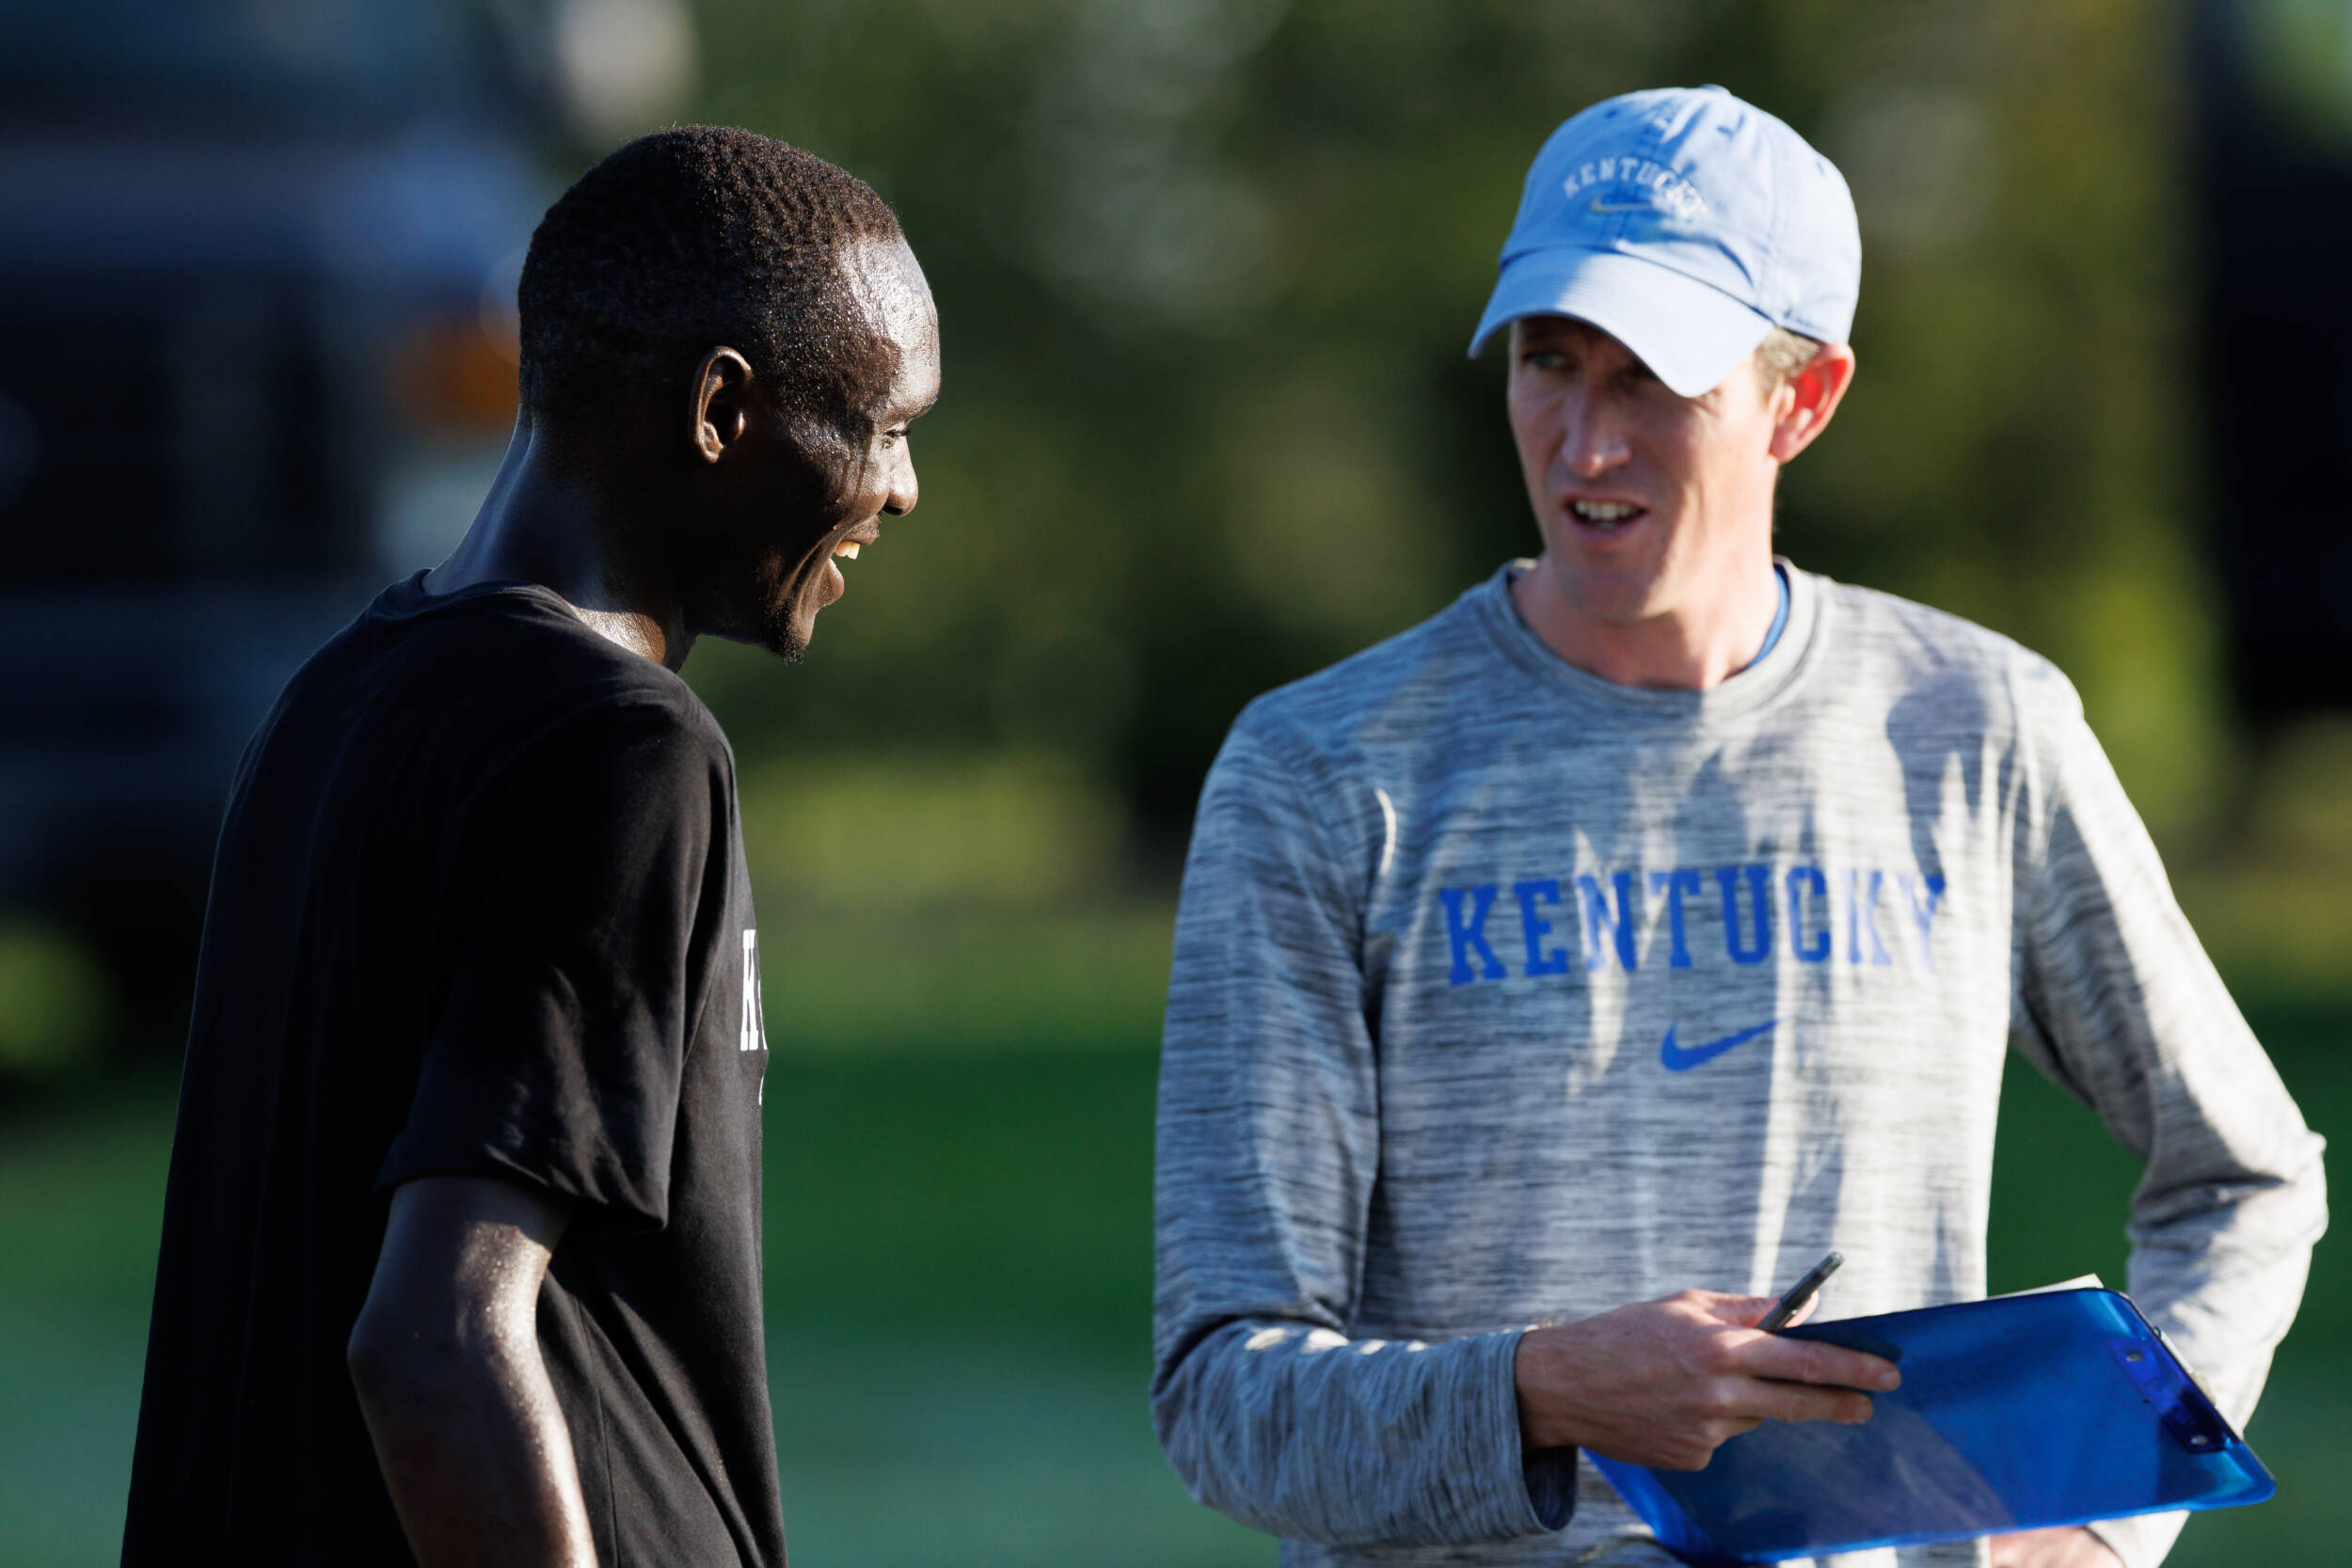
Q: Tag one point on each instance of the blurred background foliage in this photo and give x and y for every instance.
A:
(1206, 265)
(1206, 270)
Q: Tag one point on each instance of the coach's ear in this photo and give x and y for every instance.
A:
(1804, 404)
(722, 388)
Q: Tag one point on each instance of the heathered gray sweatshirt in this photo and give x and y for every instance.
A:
(1504, 994)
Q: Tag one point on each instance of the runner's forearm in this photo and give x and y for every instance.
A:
(445, 1358)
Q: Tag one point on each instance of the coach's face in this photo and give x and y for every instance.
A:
(813, 485)
(1641, 494)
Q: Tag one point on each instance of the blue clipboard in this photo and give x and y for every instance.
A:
(2018, 1413)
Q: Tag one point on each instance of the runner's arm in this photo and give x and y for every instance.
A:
(445, 1357)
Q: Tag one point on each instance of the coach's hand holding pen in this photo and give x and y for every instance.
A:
(1666, 1383)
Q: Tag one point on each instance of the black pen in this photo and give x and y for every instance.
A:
(1802, 1291)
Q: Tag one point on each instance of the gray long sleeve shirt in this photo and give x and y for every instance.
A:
(1504, 994)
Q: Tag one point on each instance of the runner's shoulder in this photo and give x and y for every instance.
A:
(500, 673)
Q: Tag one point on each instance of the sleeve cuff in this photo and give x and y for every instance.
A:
(1551, 1486)
(1531, 1491)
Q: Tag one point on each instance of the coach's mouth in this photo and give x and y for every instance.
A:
(1602, 516)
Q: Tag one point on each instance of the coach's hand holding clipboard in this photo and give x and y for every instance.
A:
(2020, 1413)
(1666, 1382)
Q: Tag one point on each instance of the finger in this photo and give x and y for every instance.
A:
(1694, 1445)
(1738, 1311)
(1798, 1401)
(1812, 1303)
(1810, 1361)
(2067, 1546)
(1710, 1436)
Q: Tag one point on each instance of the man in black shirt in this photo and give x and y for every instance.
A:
(461, 1242)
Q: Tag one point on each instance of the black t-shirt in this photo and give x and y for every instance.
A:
(478, 909)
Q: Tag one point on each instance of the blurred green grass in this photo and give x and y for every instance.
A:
(958, 1244)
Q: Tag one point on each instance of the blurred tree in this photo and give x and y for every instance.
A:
(1207, 268)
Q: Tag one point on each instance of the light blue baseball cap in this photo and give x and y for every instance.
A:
(1685, 223)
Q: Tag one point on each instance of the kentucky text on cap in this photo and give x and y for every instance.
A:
(1685, 223)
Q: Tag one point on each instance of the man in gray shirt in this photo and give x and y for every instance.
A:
(1601, 952)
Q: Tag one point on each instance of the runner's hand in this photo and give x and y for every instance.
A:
(1664, 1382)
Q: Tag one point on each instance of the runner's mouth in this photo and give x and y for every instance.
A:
(857, 538)
(846, 548)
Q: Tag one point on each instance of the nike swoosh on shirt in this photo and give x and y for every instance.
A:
(1676, 1059)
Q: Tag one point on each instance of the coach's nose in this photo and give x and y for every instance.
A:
(1591, 441)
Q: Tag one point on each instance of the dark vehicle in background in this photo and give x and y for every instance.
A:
(257, 266)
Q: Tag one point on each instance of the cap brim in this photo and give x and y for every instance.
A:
(1691, 335)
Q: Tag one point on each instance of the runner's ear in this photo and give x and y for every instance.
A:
(722, 383)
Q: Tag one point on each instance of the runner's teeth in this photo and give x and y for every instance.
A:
(1602, 511)
(845, 550)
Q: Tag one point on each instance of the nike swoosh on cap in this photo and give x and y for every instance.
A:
(1676, 1059)
(1599, 206)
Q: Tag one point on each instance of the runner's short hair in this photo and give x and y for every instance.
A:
(684, 240)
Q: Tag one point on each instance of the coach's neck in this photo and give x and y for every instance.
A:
(1712, 628)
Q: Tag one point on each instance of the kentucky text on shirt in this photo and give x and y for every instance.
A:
(1819, 914)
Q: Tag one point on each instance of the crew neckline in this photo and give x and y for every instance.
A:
(1780, 616)
(408, 597)
(1772, 673)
